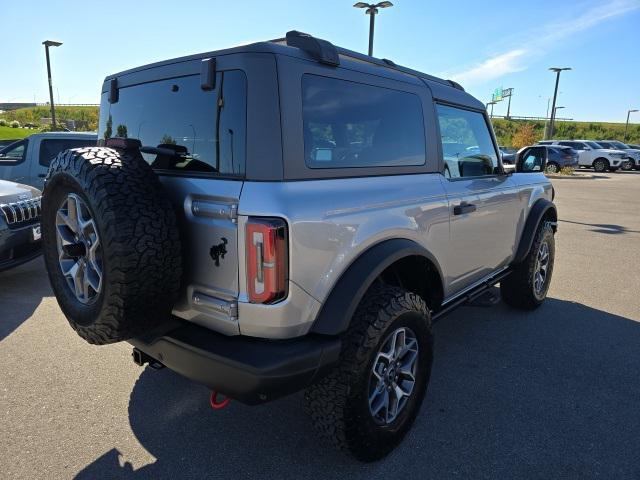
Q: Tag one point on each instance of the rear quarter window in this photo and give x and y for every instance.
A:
(350, 125)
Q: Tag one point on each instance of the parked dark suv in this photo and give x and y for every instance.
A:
(557, 157)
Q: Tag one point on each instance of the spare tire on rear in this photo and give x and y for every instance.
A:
(111, 243)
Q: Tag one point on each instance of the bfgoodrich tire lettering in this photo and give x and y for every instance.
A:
(141, 260)
(339, 403)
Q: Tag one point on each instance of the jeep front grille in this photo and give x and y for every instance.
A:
(21, 212)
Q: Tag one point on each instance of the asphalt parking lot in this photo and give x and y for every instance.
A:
(549, 394)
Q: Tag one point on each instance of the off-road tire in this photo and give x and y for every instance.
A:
(338, 403)
(138, 232)
(601, 165)
(517, 289)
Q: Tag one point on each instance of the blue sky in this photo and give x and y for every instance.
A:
(482, 44)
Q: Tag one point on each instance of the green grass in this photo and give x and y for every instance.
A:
(8, 133)
(505, 129)
(87, 115)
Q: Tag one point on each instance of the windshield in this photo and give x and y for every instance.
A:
(594, 145)
(619, 145)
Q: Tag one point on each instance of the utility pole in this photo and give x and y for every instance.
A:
(555, 96)
(47, 44)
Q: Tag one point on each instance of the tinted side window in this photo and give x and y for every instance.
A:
(466, 143)
(15, 152)
(349, 124)
(185, 128)
(52, 147)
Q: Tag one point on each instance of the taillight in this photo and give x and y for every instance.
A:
(267, 253)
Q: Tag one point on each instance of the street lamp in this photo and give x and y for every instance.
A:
(372, 11)
(47, 44)
(626, 127)
(555, 95)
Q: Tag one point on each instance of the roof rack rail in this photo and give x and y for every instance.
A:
(456, 85)
(321, 50)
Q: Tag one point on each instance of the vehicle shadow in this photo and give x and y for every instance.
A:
(547, 394)
(21, 291)
(610, 229)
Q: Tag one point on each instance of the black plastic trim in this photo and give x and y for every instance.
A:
(250, 370)
(338, 309)
(539, 209)
(208, 74)
(321, 50)
(114, 94)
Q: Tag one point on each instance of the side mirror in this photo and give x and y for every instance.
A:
(530, 163)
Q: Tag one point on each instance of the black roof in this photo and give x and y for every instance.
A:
(348, 58)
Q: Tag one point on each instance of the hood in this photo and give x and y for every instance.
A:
(13, 192)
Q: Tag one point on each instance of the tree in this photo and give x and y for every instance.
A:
(121, 131)
(525, 135)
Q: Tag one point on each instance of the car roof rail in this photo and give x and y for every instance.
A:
(321, 50)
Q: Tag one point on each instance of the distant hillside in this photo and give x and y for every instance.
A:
(87, 116)
(506, 129)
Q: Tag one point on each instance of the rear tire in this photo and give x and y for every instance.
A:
(627, 165)
(601, 165)
(553, 167)
(524, 288)
(135, 233)
(342, 404)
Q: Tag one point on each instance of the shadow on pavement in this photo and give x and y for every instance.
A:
(553, 393)
(607, 228)
(21, 291)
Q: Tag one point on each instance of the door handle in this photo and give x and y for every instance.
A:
(42, 175)
(464, 208)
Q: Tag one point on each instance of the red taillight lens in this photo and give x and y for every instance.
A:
(267, 253)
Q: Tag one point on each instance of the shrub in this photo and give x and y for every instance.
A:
(3, 122)
(15, 124)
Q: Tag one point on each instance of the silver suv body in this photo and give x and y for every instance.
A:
(335, 208)
(324, 201)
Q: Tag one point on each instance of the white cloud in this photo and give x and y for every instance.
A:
(536, 42)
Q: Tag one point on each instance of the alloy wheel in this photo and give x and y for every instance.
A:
(79, 249)
(393, 375)
(540, 273)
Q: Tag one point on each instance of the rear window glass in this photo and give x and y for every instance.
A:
(348, 124)
(182, 127)
(52, 147)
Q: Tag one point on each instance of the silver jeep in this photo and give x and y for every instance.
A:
(291, 215)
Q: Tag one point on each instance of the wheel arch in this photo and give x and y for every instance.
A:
(542, 211)
(399, 262)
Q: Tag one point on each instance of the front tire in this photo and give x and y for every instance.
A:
(368, 403)
(601, 165)
(527, 285)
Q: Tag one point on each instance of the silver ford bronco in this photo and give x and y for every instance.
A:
(292, 215)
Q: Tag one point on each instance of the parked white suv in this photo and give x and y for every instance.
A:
(591, 154)
(633, 160)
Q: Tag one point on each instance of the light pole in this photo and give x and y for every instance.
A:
(372, 11)
(626, 126)
(47, 44)
(555, 95)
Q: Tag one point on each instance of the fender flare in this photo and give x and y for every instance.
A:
(540, 208)
(345, 296)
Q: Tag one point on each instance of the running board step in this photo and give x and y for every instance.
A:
(488, 298)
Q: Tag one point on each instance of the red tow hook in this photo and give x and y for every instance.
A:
(218, 405)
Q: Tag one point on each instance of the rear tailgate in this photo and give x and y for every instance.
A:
(207, 213)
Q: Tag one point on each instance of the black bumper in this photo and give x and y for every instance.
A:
(246, 369)
(17, 246)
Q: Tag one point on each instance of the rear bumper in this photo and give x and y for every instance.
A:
(246, 369)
